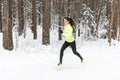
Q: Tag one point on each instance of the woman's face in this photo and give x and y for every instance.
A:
(65, 21)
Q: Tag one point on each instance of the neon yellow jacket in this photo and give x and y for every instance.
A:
(68, 33)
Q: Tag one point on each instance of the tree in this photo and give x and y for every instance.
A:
(39, 6)
(34, 25)
(60, 17)
(118, 19)
(73, 15)
(73, 9)
(7, 25)
(114, 28)
(108, 8)
(118, 22)
(79, 14)
(20, 16)
(99, 3)
(111, 22)
(0, 16)
(46, 22)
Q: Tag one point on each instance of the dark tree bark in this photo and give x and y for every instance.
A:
(40, 9)
(73, 9)
(79, 14)
(118, 21)
(39, 16)
(99, 2)
(111, 23)
(34, 25)
(60, 18)
(46, 22)
(114, 28)
(7, 25)
(21, 16)
(14, 12)
(108, 12)
(0, 16)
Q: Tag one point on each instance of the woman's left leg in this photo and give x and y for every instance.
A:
(73, 46)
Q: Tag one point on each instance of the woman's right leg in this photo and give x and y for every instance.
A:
(73, 45)
(64, 46)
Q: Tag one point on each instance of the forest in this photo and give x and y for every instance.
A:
(94, 19)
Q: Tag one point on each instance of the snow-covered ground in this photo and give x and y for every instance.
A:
(33, 61)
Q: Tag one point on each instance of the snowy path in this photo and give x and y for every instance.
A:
(104, 65)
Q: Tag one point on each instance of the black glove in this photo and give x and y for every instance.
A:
(60, 31)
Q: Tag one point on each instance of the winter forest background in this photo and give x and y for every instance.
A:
(95, 19)
(30, 41)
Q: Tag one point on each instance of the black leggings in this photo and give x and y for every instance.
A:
(73, 46)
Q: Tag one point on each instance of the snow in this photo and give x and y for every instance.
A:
(33, 61)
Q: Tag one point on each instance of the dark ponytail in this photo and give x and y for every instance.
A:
(70, 20)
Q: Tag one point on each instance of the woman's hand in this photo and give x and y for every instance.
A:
(60, 31)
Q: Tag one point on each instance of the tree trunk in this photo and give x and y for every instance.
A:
(73, 9)
(21, 16)
(115, 22)
(92, 4)
(7, 26)
(14, 12)
(111, 23)
(0, 16)
(46, 22)
(73, 15)
(118, 18)
(108, 12)
(39, 16)
(60, 18)
(98, 16)
(34, 26)
(68, 9)
(80, 15)
(78, 32)
(119, 32)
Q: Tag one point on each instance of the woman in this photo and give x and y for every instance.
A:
(69, 39)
